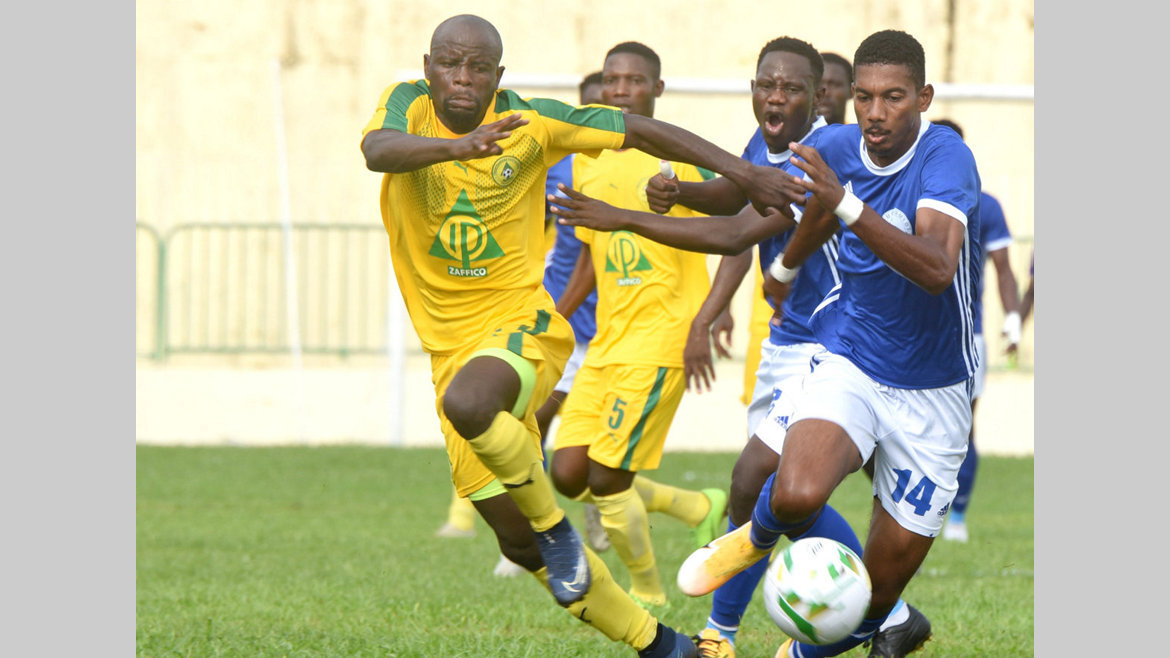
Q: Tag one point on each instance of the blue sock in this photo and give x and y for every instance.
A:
(831, 525)
(766, 528)
(865, 631)
(966, 482)
(731, 599)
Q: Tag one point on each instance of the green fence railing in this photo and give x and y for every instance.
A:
(262, 288)
(222, 288)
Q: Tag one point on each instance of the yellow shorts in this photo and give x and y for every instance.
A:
(545, 340)
(622, 413)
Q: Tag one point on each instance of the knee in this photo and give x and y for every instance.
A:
(793, 502)
(470, 411)
(569, 477)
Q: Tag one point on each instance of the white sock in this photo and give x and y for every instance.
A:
(899, 614)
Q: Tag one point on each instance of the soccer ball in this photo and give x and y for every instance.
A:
(817, 590)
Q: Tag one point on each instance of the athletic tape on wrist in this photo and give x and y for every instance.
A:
(779, 272)
(849, 210)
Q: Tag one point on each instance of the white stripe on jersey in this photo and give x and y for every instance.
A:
(830, 297)
(830, 249)
(962, 285)
(945, 208)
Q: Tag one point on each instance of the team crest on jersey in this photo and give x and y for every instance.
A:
(898, 220)
(464, 238)
(624, 256)
(505, 170)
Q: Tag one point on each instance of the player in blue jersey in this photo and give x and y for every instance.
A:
(995, 238)
(784, 96)
(895, 380)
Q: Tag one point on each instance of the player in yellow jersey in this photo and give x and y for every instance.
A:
(617, 415)
(462, 200)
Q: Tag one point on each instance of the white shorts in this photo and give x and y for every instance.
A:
(918, 437)
(571, 368)
(981, 371)
(779, 364)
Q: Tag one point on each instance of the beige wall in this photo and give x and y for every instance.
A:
(206, 142)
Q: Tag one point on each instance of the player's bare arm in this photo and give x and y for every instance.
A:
(392, 151)
(698, 365)
(581, 282)
(766, 187)
(929, 257)
(710, 235)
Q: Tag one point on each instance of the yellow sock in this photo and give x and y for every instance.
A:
(461, 513)
(688, 506)
(512, 453)
(608, 608)
(624, 517)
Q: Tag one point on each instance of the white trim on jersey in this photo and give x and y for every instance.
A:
(945, 208)
(1002, 243)
(897, 165)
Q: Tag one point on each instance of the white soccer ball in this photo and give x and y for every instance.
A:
(817, 590)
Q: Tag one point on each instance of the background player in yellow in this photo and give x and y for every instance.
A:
(462, 200)
(616, 417)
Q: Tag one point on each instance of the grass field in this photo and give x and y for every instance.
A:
(330, 551)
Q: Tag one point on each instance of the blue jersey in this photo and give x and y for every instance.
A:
(817, 276)
(564, 258)
(993, 235)
(890, 328)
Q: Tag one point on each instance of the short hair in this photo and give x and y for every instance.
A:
(949, 124)
(796, 47)
(834, 58)
(893, 47)
(591, 79)
(641, 50)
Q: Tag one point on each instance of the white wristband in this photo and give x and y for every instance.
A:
(779, 272)
(1011, 328)
(849, 210)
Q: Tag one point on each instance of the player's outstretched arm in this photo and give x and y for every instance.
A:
(392, 151)
(766, 187)
(710, 235)
(929, 257)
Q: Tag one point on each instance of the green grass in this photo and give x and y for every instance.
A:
(330, 551)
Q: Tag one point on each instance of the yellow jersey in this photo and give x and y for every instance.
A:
(647, 293)
(467, 239)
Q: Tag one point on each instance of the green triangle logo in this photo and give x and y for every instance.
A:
(463, 237)
(623, 254)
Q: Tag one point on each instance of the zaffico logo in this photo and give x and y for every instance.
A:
(464, 238)
(624, 255)
(505, 170)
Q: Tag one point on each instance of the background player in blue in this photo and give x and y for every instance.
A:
(784, 95)
(995, 238)
(562, 258)
(894, 381)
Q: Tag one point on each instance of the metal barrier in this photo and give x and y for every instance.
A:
(225, 288)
